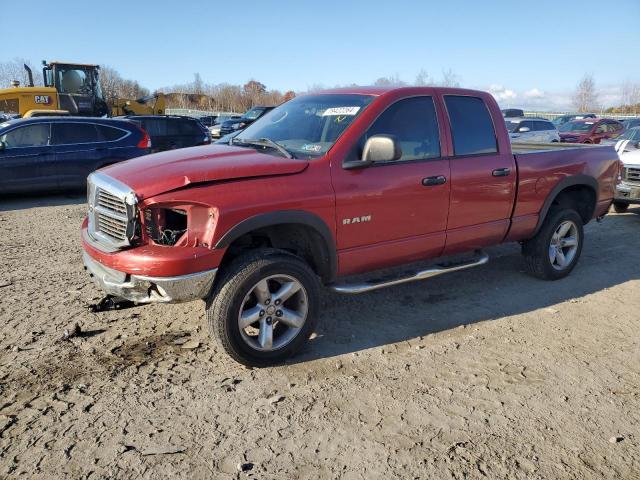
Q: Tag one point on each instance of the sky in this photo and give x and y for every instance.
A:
(529, 53)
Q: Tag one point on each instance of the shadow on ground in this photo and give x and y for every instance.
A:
(23, 202)
(496, 290)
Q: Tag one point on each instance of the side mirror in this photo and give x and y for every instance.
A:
(524, 130)
(638, 145)
(379, 148)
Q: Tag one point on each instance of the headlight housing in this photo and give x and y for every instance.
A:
(178, 225)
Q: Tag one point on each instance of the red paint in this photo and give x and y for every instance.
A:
(473, 209)
(595, 133)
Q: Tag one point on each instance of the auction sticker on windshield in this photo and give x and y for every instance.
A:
(337, 111)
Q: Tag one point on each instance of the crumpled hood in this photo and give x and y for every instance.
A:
(161, 172)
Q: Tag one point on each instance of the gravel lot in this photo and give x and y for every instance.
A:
(481, 374)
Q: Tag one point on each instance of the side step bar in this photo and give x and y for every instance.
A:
(354, 288)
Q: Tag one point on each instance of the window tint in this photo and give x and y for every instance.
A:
(547, 126)
(155, 127)
(413, 121)
(110, 134)
(471, 125)
(183, 127)
(29, 136)
(528, 124)
(69, 133)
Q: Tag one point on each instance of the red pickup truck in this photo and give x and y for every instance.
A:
(331, 185)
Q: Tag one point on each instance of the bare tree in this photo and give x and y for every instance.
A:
(630, 97)
(14, 70)
(393, 80)
(423, 79)
(114, 86)
(586, 96)
(450, 79)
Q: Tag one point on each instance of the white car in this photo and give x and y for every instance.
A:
(535, 130)
(628, 190)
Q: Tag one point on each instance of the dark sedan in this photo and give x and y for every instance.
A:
(243, 122)
(45, 154)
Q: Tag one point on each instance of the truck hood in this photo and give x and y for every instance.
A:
(161, 172)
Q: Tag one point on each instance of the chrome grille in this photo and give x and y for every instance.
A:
(112, 211)
(632, 174)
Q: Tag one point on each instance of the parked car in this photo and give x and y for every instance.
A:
(243, 122)
(558, 121)
(628, 141)
(208, 120)
(532, 130)
(628, 190)
(169, 132)
(215, 129)
(330, 185)
(512, 112)
(630, 123)
(590, 130)
(43, 154)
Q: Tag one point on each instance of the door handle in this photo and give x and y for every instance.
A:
(431, 181)
(501, 172)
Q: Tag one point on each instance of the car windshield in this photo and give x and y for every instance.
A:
(253, 113)
(309, 125)
(576, 127)
(632, 133)
(512, 126)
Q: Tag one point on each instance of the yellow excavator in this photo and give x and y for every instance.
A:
(71, 89)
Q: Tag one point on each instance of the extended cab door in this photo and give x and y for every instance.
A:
(394, 212)
(27, 160)
(483, 176)
(79, 151)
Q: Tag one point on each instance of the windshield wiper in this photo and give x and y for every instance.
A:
(263, 142)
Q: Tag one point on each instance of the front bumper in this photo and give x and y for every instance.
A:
(143, 289)
(627, 193)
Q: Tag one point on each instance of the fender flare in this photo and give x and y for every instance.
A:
(572, 181)
(299, 217)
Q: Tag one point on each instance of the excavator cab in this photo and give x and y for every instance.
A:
(78, 88)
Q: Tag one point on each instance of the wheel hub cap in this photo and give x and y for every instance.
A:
(564, 245)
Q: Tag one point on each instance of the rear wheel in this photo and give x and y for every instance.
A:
(620, 207)
(556, 248)
(264, 307)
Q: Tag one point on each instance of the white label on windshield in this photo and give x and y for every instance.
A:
(340, 111)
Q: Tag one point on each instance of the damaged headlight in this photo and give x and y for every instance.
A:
(165, 226)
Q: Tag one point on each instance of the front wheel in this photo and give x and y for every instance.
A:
(264, 307)
(556, 248)
(620, 207)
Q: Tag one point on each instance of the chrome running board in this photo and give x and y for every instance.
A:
(354, 288)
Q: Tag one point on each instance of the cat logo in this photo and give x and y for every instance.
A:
(43, 99)
(351, 221)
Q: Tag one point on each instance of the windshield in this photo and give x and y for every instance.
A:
(253, 113)
(633, 133)
(512, 126)
(309, 125)
(576, 127)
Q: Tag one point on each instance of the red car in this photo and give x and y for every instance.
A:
(326, 186)
(590, 130)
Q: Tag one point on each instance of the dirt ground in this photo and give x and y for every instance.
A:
(486, 373)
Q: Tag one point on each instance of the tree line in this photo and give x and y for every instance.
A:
(199, 95)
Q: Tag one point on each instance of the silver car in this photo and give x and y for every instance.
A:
(535, 130)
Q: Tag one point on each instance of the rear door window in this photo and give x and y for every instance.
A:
(471, 126)
(183, 127)
(67, 133)
(110, 134)
(28, 136)
(413, 121)
(155, 127)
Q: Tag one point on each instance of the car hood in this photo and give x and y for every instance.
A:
(161, 172)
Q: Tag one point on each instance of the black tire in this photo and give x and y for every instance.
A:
(237, 280)
(620, 207)
(536, 250)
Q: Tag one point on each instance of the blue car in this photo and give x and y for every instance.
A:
(45, 154)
